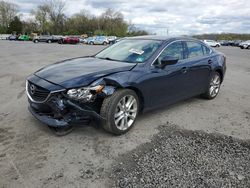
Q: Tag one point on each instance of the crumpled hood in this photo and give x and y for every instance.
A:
(81, 71)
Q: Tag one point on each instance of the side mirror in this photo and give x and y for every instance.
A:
(168, 60)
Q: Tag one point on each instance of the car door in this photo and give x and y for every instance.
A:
(97, 40)
(167, 85)
(43, 38)
(198, 64)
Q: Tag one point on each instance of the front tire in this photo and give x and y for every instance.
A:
(214, 86)
(120, 111)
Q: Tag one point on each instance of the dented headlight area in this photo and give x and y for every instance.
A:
(85, 94)
(89, 94)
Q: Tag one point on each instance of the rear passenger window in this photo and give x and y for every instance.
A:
(194, 49)
(206, 50)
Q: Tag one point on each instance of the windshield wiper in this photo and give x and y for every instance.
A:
(110, 59)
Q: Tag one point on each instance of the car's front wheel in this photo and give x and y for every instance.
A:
(214, 86)
(120, 111)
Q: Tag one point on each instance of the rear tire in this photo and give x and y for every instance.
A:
(120, 111)
(213, 87)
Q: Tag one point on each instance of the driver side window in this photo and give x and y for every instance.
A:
(175, 50)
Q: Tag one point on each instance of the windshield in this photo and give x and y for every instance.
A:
(132, 51)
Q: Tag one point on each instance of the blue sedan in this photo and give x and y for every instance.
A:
(134, 75)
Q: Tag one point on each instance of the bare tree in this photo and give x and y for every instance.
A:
(7, 13)
(50, 16)
(56, 14)
(42, 17)
(113, 23)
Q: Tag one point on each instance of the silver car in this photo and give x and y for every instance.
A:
(98, 40)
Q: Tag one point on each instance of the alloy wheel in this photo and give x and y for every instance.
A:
(215, 85)
(126, 112)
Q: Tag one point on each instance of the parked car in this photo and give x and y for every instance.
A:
(237, 43)
(69, 40)
(46, 38)
(83, 40)
(98, 40)
(224, 43)
(212, 43)
(13, 37)
(230, 42)
(4, 36)
(134, 75)
(24, 38)
(245, 45)
(112, 39)
(87, 40)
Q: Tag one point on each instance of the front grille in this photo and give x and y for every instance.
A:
(37, 93)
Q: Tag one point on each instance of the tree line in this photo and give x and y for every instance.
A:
(49, 18)
(224, 36)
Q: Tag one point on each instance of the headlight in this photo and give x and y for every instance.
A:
(84, 93)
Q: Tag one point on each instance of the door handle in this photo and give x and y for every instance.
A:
(184, 70)
(210, 61)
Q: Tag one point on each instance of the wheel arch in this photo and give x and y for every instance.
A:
(139, 94)
(220, 72)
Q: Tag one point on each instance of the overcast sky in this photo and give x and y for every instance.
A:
(157, 16)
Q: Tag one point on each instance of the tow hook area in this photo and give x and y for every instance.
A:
(48, 120)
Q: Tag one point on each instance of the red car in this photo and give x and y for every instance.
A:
(69, 40)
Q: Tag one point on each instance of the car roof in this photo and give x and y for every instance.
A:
(162, 38)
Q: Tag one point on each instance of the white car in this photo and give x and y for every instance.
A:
(212, 43)
(4, 36)
(245, 45)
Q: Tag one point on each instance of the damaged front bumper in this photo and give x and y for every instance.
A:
(63, 112)
(50, 104)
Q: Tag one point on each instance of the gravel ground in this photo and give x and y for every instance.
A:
(183, 158)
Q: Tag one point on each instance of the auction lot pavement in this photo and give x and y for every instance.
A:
(196, 132)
